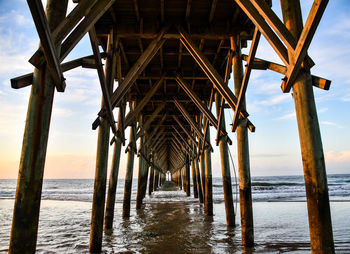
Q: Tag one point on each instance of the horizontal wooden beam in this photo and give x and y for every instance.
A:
(261, 64)
(27, 79)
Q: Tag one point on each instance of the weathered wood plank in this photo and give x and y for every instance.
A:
(42, 27)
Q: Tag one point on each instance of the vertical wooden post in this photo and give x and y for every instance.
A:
(225, 167)
(202, 164)
(98, 201)
(194, 179)
(180, 178)
(208, 201)
(144, 186)
(320, 223)
(31, 169)
(188, 183)
(141, 176)
(129, 173)
(199, 181)
(151, 177)
(245, 192)
(156, 180)
(113, 177)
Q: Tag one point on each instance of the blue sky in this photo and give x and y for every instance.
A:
(274, 147)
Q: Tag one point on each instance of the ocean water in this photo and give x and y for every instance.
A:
(170, 222)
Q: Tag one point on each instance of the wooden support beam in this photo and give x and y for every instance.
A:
(48, 46)
(184, 142)
(245, 80)
(129, 174)
(85, 62)
(148, 122)
(156, 128)
(65, 27)
(98, 203)
(304, 41)
(221, 105)
(188, 133)
(184, 139)
(196, 100)
(206, 124)
(212, 10)
(245, 194)
(315, 175)
(113, 179)
(102, 78)
(189, 119)
(211, 73)
(261, 64)
(138, 67)
(264, 28)
(132, 115)
(26, 208)
(80, 30)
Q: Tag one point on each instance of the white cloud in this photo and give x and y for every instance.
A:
(274, 100)
(332, 124)
(287, 116)
(338, 156)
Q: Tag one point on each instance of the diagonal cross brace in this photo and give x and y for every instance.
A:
(245, 80)
(43, 29)
(211, 73)
(304, 41)
(203, 108)
(131, 115)
(102, 78)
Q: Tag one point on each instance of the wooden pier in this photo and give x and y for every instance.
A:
(168, 62)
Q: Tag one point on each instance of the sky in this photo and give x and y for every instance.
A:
(274, 147)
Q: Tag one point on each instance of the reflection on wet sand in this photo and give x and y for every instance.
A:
(171, 227)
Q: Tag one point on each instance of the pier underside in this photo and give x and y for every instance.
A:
(169, 61)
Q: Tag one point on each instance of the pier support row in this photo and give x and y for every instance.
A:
(129, 172)
(320, 224)
(98, 202)
(245, 191)
(31, 169)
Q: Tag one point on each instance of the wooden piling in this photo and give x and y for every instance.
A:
(320, 224)
(225, 167)
(113, 177)
(144, 186)
(245, 192)
(151, 177)
(129, 173)
(202, 165)
(156, 180)
(199, 181)
(31, 169)
(187, 177)
(208, 201)
(194, 179)
(98, 201)
(141, 177)
(180, 178)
